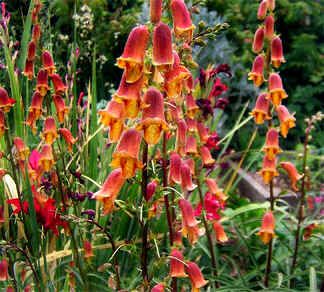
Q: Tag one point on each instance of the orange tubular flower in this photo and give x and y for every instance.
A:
(126, 154)
(206, 157)
(46, 159)
(61, 109)
(258, 40)
(266, 232)
(203, 132)
(182, 24)
(162, 47)
(129, 95)
(36, 34)
(49, 134)
(29, 69)
(192, 125)
(67, 136)
(215, 190)
(42, 82)
(268, 171)
(276, 91)
(110, 190)
(181, 137)
(220, 233)
(287, 120)
(2, 123)
(256, 73)
(196, 277)
(175, 166)
(113, 116)
(269, 27)
(177, 269)
(276, 52)
(271, 147)
(191, 145)
(6, 103)
(155, 10)
(261, 109)
(262, 10)
(31, 51)
(59, 86)
(36, 106)
(191, 106)
(88, 253)
(132, 59)
(22, 149)
(153, 121)
(186, 180)
(4, 276)
(48, 63)
(293, 174)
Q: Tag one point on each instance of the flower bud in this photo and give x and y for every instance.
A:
(155, 10)
(258, 40)
(4, 276)
(269, 27)
(262, 10)
(276, 52)
(150, 189)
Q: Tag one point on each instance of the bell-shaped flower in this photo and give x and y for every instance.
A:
(269, 27)
(153, 121)
(196, 277)
(61, 109)
(262, 10)
(261, 109)
(271, 147)
(48, 63)
(182, 24)
(277, 56)
(162, 47)
(203, 132)
(59, 86)
(215, 190)
(4, 276)
(287, 120)
(268, 171)
(21, 148)
(181, 137)
(258, 40)
(29, 69)
(267, 232)
(256, 74)
(36, 33)
(49, 133)
(175, 168)
(191, 145)
(206, 156)
(191, 107)
(177, 267)
(186, 178)
(192, 125)
(191, 163)
(42, 82)
(126, 153)
(67, 136)
(113, 116)
(88, 252)
(129, 95)
(155, 10)
(293, 174)
(35, 110)
(151, 189)
(220, 232)
(110, 189)
(132, 59)
(6, 102)
(46, 159)
(31, 51)
(276, 91)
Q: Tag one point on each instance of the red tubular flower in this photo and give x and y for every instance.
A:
(206, 157)
(129, 95)
(268, 171)
(150, 189)
(88, 253)
(203, 132)
(215, 190)
(262, 10)
(269, 27)
(271, 4)
(276, 52)
(191, 145)
(175, 166)
(110, 189)
(261, 109)
(287, 120)
(293, 174)
(132, 59)
(266, 232)
(48, 63)
(113, 116)
(192, 125)
(177, 267)
(67, 136)
(182, 24)
(276, 91)
(46, 159)
(155, 10)
(61, 109)
(181, 137)
(271, 147)
(6, 102)
(158, 288)
(258, 40)
(186, 180)
(42, 82)
(126, 154)
(21, 148)
(191, 107)
(162, 47)
(212, 207)
(4, 276)
(195, 275)
(219, 232)
(191, 163)
(153, 121)
(29, 69)
(256, 73)
(31, 51)
(49, 133)
(36, 34)
(2, 123)
(218, 88)
(59, 86)
(35, 110)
